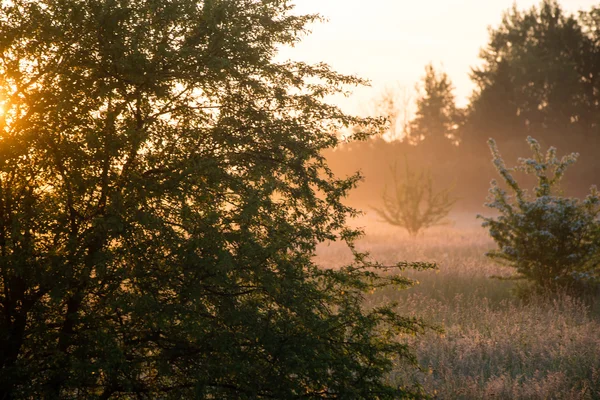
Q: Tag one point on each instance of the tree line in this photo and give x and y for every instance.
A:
(539, 76)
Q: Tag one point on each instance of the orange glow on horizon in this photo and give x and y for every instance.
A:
(390, 42)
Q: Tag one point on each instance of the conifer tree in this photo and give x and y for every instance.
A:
(437, 118)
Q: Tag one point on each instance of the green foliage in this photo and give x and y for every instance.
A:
(437, 116)
(549, 239)
(162, 193)
(537, 75)
(413, 204)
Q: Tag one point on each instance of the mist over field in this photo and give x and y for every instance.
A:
(467, 169)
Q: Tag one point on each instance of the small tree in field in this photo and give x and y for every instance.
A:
(551, 240)
(413, 204)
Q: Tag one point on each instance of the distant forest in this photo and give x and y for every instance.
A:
(539, 76)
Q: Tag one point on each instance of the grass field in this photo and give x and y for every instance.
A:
(495, 344)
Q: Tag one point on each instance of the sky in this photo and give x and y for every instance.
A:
(389, 42)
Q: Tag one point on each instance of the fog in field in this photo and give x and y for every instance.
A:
(466, 169)
(451, 75)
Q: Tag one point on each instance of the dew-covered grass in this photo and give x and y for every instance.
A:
(495, 344)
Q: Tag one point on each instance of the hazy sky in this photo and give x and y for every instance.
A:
(391, 41)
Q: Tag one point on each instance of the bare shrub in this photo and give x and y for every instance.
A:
(412, 203)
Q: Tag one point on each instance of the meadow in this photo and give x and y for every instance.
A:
(495, 343)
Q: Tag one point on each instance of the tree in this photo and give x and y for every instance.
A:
(539, 75)
(437, 118)
(413, 204)
(162, 193)
(549, 239)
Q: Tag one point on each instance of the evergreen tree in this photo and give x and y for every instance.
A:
(550, 239)
(437, 117)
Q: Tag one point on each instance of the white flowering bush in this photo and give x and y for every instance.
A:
(551, 240)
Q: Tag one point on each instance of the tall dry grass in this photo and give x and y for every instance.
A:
(495, 345)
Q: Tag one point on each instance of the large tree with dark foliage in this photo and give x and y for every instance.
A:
(161, 196)
(540, 75)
